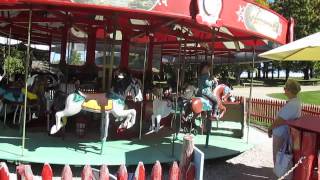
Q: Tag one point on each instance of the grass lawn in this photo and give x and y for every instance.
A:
(307, 97)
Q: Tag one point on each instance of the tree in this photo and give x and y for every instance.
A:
(14, 63)
(317, 69)
(306, 15)
(263, 2)
(75, 58)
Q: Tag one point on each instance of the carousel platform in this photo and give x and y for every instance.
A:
(41, 148)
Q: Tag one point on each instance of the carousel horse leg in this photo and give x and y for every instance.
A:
(20, 114)
(1, 105)
(55, 128)
(131, 118)
(104, 129)
(29, 114)
(71, 108)
(152, 122)
(208, 127)
(158, 119)
(15, 114)
(5, 114)
(130, 115)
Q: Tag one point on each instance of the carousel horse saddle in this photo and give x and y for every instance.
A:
(16, 95)
(203, 103)
(97, 101)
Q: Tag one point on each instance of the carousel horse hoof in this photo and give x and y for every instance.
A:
(55, 129)
(194, 132)
(120, 130)
(213, 118)
(185, 130)
(203, 127)
(123, 126)
(129, 125)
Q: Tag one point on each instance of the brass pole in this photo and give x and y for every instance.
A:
(104, 61)
(143, 83)
(250, 94)
(26, 87)
(111, 59)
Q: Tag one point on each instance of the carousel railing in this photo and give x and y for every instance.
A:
(191, 166)
(194, 171)
(264, 111)
(88, 172)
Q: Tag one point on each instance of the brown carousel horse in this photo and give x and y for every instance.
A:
(197, 106)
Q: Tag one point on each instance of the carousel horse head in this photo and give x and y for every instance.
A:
(31, 80)
(227, 94)
(128, 87)
(133, 89)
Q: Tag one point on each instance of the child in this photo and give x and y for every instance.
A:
(206, 86)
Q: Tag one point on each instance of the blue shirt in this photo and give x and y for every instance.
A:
(290, 111)
(205, 85)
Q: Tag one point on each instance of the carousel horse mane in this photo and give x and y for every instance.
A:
(31, 80)
(3, 75)
(128, 86)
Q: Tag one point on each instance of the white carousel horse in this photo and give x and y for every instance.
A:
(162, 108)
(76, 102)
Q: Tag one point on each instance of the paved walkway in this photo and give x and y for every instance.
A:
(254, 164)
(261, 92)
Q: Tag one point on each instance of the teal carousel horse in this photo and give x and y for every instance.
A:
(14, 95)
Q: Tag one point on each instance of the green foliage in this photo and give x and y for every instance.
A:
(263, 2)
(306, 16)
(75, 58)
(317, 68)
(308, 97)
(14, 63)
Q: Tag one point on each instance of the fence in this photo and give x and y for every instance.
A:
(88, 173)
(264, 111)
(190, 168)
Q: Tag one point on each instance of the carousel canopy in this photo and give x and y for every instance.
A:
(198, 25)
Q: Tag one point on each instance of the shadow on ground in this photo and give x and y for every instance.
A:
(222, 170)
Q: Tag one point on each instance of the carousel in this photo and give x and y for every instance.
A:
(106, 97)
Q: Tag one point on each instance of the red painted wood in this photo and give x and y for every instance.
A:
(150, 55)
(191, 172)
(122, 173)
(4, 172)
(104, 172)
(140, 173)
(90, 57)
(319, 165)
(46, 173)
(156, 171)
(24, 171)
(174, 171)
(66, 173)
(87, 173)
(125, 49)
